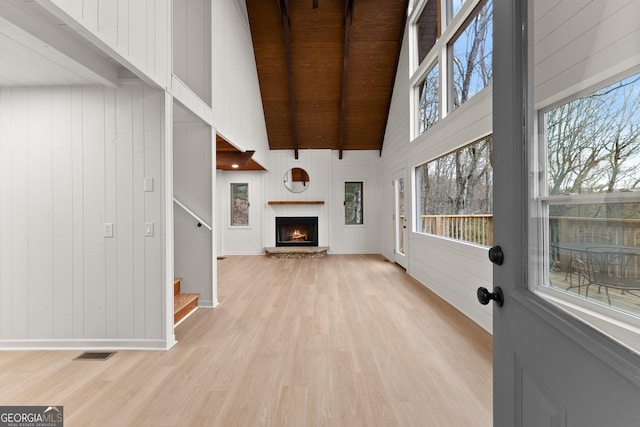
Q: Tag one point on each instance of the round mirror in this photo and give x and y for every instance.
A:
(296, 180)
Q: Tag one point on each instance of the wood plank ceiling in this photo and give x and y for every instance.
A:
(326, 70)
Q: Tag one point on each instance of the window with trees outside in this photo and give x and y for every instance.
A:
(454, 194)
(353, 203)
(462, 51)
(470, 56)
(590, 197)
(454, 6)
(429, 104)
(240, 204)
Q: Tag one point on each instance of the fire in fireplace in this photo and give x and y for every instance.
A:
(296, 231)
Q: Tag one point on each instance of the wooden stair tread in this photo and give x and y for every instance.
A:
(182, 300)
(183, 304)
(176, 285)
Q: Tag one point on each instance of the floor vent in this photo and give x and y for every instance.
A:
(94, 356)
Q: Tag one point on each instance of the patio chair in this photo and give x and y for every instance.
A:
(613, 268)
(577, 259)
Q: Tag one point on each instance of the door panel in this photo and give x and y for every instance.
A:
(400, 219)
(550, 368)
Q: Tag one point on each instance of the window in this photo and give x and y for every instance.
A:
(240, 204)
(353, 203)
(427, 29)
(591, 198)
(454, 194)
(429, 104)
(470, 56)
(453, 7)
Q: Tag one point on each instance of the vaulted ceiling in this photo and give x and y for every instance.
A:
(326, 70)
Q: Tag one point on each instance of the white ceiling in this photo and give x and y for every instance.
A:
(37, 49)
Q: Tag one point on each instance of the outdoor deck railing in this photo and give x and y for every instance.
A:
(470, 228)
(479, 228)
(617, 231)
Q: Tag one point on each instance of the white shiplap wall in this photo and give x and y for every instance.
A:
(241, 240)
(601, 40)
(433, 261)
(318, 164)
(192, 174)
(355, 166)
(74, 158)
(192, 45)
(327, 174)
(134, 32)
(237, 102)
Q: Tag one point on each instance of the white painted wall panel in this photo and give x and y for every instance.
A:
(192, 177)
(355, 166)
(6, 210)
(77, 153)
(124, 215)
(110, 214)
(134, 32)
(93, 116)
(237, 101)
(62, 206)
(602, 39)
(192, 45)
(317, 163)
(19, 230)
(241, 240)
(153, 163)
(75, 159)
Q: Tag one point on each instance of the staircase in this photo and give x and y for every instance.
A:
(183, 304)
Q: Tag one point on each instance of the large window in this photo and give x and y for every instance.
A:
(454, 194)
(354, 203)
(240, 204)
(470, 56)
(429, 105)
(590, 196)
(450, 64)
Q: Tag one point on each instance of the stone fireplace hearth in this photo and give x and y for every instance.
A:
(296, 237)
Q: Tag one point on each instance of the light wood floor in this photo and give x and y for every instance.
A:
(337, 341)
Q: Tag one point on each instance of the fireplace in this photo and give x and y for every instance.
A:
(296, 231)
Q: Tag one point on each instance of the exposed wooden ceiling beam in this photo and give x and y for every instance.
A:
(395, 72)
(348, 17)
(286, 24)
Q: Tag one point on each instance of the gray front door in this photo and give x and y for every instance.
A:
(550, 368)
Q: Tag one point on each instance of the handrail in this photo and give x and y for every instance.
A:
(190, 212)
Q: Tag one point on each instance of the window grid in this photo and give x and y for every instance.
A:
(457, 14)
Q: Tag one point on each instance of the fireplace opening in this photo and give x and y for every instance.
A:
(297, 231)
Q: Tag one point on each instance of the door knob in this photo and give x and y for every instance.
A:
(484, 296)
(496, 255)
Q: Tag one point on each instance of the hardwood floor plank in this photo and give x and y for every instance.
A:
(343, 340)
